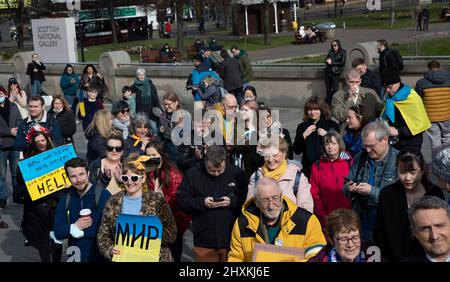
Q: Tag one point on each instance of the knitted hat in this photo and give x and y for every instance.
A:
(389, 77)
(441, 163)
(118, 107)
(3, 90)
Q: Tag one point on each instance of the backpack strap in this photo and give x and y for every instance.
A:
(298, 175)
(97, 194)
(67, 207)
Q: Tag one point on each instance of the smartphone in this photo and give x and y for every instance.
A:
(218, 199)
(346, 180)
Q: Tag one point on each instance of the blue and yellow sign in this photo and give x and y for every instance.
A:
(138, 238)
(44, 173)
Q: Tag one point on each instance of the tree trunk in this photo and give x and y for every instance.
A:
(112, 21)
(180, 26)
(335, 8)
(225, 14)
(20, 11)
(266, 27)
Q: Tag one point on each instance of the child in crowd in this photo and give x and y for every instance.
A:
(89, 107)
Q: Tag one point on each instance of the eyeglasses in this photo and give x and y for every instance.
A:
(274, 199)
(345, 240)
(168, 104)
(334, 45)
(125, 111)
(353, 81)
(111, 148)
(134, 178)
(233, 107)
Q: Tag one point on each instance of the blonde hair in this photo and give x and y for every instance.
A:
(129, 165)
(272, 142)
(101, 122)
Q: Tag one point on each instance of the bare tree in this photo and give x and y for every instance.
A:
(180, 25)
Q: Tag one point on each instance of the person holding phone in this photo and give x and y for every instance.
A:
(213, 194)
(35, 71)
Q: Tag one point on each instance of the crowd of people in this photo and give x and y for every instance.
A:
(362, 181)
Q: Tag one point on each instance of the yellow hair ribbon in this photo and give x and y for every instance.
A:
(139, 163)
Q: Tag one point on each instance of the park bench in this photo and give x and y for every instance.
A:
(299, 40)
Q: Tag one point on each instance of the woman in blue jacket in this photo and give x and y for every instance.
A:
(70, 83)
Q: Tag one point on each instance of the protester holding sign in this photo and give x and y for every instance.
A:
(71, 220)
(38, 215)
(136, 200)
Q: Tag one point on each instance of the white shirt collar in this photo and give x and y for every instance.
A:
(43, 119)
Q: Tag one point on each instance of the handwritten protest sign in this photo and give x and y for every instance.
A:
(44, 173)
(138, 238)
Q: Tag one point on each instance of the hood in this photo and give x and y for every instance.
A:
(242, 53)
(202, 68)
(438, 76)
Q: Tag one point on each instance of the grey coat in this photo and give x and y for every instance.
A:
(6, 139)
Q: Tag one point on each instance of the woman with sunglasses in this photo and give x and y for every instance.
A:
(335, 63)
(165, 178)
(136, 199)
(108, 169)
(121, 121)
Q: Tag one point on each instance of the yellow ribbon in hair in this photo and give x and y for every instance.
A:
(139, 163)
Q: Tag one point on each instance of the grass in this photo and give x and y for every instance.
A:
(432, 47)
(380, 19)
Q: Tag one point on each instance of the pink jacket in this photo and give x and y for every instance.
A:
(286, 182)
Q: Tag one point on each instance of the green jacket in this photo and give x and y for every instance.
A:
(246, 67)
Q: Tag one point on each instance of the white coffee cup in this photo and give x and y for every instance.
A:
(85, 213)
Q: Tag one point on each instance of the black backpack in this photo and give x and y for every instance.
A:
(398, 59)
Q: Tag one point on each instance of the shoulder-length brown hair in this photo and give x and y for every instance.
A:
(316, 103)
(63, 100)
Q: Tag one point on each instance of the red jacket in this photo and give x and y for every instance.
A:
(183, 220)
(327, 181)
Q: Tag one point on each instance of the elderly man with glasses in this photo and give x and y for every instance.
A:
(269, 218)
(354, 95)
(373, 169)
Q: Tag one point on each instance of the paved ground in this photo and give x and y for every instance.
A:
(11, 240)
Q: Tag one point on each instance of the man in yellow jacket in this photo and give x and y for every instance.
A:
(276, 226)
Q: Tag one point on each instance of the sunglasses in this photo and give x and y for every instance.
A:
(124, 111)
(134, 178)
(111, 148)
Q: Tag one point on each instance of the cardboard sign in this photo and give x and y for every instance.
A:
(138, 238)
(44, 173)
(273, 253)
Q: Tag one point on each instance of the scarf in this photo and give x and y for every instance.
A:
(122, 126)
(132, 103)
(137, 138)
(276, 173)
(353, 142)
(401, 95)
(145, 88)
(333, 256)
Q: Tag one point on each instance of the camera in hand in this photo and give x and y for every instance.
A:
(218, 199)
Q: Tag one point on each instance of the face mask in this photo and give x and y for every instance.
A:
(249, 99)
(2, 100)
(154, 161)
(57, 111)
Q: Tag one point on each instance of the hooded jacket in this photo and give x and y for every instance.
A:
(299, 229)
(434, 89)
(246, 67)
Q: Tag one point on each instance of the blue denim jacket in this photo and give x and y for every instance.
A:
(385, 174)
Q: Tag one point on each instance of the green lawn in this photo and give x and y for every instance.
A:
(380, 19)
(432, 47)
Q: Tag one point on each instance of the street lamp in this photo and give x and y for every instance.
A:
(75, 7)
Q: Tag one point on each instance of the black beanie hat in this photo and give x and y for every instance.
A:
(118, 107)
(389, 77)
